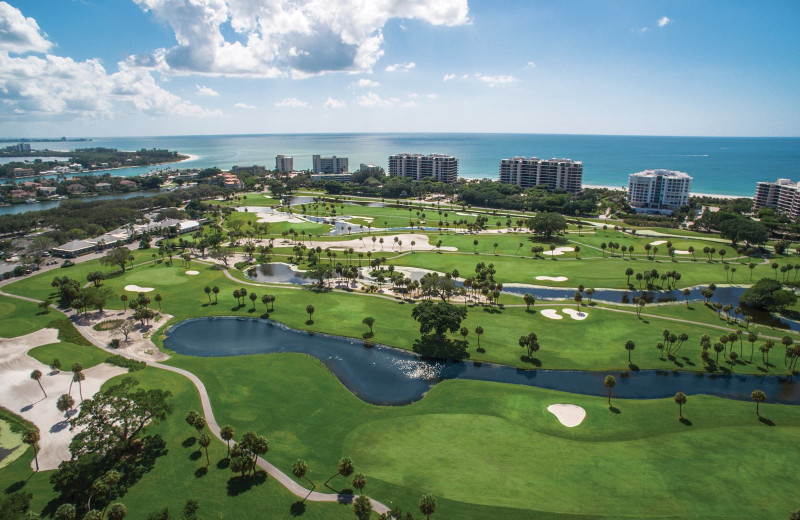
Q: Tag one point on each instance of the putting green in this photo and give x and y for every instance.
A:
(488, 460)
(155, 277)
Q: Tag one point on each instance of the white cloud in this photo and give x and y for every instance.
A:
(530, 65)
(334, 103)
(432, 96)
(19, 34)
(644, 29)
(465, 76)
(663, 21)
(202, 90)
(448, 77)
(291, 102)
(499, 80)
(371, 99)
(280, 37)
(364, 82)
(244, 106)
(400, 67)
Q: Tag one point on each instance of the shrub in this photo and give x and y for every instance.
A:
(114, 343)
(121, 361)
(68, 263)
(67, 332)
(107, 325)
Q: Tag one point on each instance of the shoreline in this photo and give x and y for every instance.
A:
(691, 194)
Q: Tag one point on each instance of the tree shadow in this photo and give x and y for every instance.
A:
(429, 346)
(238, 485)
(634, 367)
(614, 409)
(685, 421)
(766, 421)
(189, 442)
(16, 486)
(224, 463)
(297, 508)
(492, 310)
(309, 322)
(201, 472)
(195, 455)
(532, 360)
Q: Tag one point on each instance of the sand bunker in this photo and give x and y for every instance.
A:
(279, 217)
(136, 288)
(553, 278)
(192, 273)
(389, 245)
(558, 251)
(658, 242)
(574, 314)
(682, 252)
(569, 415)
(551, 313)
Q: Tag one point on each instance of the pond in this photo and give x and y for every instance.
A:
(276, 273)
(389, 376)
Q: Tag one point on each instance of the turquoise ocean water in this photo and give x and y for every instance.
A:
(728, 166)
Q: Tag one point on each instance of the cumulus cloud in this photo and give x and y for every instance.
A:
(364, 82)
(334, 103)
(19, 34)
(202, 90)
(530, 65)
(432, 96)
(244, 106)
(448, 77)
(291, 102)
(279, 37)
(371, 99)
(400, 67)
(499, 80)
(663, 21)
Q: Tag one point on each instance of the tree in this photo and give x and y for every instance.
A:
(117, 256)
(427, 505)
(529, 300)
(759, 396)
(117, 512)
(546, 223)
(158, 298)
(36, 375)
(95, 277)
(578, 297)
(629, 346)
(207, 290)
(65, 512)
(65, 403)
(115, 416)
(55, 365)
(609, 382)
(359, 481)
(253, 297)
(362, 507)
(300, 470)
(215, 290)
(629, 273)
(438, 318)
(227, 433)
(205, 441)
(344, 468)
(529, 342)
(369, 321)
(310, 312)
(479, 333)
(31, 437)
(680, 399)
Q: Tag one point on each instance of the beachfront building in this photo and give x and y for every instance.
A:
(784, 195)
(331, 164)
(439, 167)
(660, 191)
(340, 177)
(554, 174)
(284, 163)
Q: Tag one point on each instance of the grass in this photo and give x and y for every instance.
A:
(67, 332)
(68, 354)
(21, 317)
(495, 446)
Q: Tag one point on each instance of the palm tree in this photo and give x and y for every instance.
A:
(369, 321)
(479, 332)
(253, 297)
(427, 505)
(36, 375)
(629, 273)
(31, 437)
(310, 312)
(464, 333)
(344, 468)
(362, 507)
(65, 403)
(609, 382)
(680, 398)
(529, 300)
(76, 367)
(117, 512)
(759, 397)
(227, 432)
(578, 297)
(124, 300)
(629, 346)
(207, 290)
(215, 290)
(475, 243)
(359, 482)
(55, 365)
(158, 298)
(205, 441)
(65, 512)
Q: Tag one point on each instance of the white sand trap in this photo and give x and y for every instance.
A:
(553, 278)
(569, 415)
(558, 251)
(574, 314)
(192, 273)
(136, 288)
(658, 242)
(682, 252)
(278, 217)
(389, 245)
(552, 314)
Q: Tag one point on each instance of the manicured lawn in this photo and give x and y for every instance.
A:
(69, 353)
(496, 445)
(20, 317)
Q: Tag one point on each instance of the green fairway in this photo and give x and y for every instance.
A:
(497, 446)
(21, 317)
(69, 353)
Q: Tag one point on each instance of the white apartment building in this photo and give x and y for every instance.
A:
(563, 174)
(440, 167)
(658, 189)
(783, 195)
(330, 164)
(284, 163)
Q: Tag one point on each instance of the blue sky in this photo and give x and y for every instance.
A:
(160, 67)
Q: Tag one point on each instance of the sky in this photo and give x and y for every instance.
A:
(184, 67)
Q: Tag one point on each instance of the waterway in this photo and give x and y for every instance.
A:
(16, 209)
(389, 376)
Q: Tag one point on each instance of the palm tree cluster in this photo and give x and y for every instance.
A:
(483, 283)
(666, 280)
(672, 343)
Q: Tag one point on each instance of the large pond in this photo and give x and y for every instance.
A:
(389, 376)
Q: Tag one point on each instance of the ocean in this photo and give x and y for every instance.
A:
(719, 165)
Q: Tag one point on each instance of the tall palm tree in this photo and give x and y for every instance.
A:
(76, 367)
(759, 396)
(65, 403)
(207, 290)
(479, 333)
(629, 346)
(310, 312)
(369, 321)
(359, 482)
(215, 290)
(427, 505)
(36, 375)
(609, 382)
(227, 432)
(680, 398)
(344, 468)
(205, 441)
(31, 437)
